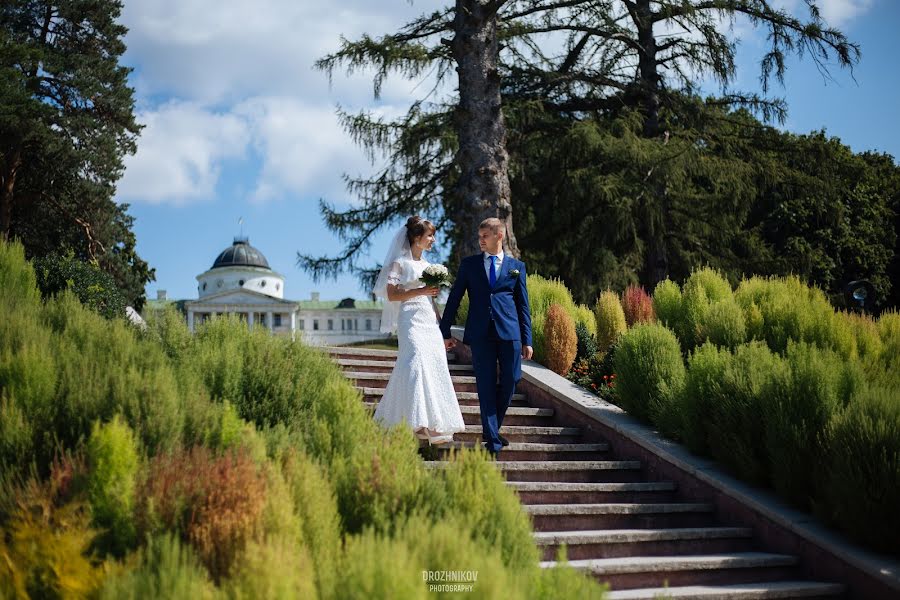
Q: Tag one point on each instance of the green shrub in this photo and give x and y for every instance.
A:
(816, 384)
(562, 581)
(667, 304)
(462, 313)
(889, 331)
(587, 346)
(113, 458)
(704, 378)
(584, 316)
(472, 490)
(93, 287)
(704, 289)
(860, 470)
(17, 280)
(275, 569)
(376, 567)
(610, 319)
(165, 569)
(650, 373)
(316, 506)
(542, 293)
(560, 340)
(736, 417)
(724, 324)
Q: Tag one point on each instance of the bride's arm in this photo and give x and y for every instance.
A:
(396, 293)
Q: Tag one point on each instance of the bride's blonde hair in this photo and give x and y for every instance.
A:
(417, 226)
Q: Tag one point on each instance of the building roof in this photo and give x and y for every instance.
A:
(333, 305)
(241, 254)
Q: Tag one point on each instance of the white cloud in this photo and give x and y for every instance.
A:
(840, 12)
(180, 154)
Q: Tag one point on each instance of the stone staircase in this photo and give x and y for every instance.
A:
(636, 534)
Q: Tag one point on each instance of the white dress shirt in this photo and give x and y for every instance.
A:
(497, 262)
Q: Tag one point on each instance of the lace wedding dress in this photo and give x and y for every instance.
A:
(420, 391)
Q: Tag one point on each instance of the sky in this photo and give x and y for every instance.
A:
(240, 125)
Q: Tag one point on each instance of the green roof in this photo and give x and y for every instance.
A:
(333, 305)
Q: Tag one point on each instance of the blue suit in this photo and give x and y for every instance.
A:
(498, 325)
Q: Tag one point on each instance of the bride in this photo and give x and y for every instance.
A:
(420, 391)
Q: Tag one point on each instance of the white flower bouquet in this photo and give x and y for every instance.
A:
(436, 276)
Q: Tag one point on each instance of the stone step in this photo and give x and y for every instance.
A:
(537, 451)
(614, 543)
(461, 383)
(515, 415)
(632, 572)
(465, 398)
(564, 470)
(639, 515)
(369, 353)
(386, 366)
(556, 492)
(742, 591)
(525, 433)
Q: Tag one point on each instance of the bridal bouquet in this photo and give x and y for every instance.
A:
(436, 276)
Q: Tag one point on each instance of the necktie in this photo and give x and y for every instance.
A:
(493, 270)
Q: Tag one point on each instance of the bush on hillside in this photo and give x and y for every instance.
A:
(93, 287)
(637, 305)
(610, 320)
(560, 339)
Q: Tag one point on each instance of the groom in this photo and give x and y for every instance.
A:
(498, 327)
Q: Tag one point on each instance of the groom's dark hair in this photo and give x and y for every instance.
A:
(416, 226)
(492, 223)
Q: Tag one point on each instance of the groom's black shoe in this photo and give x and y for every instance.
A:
(503, 440)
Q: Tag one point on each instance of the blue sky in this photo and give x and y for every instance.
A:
(239, 124)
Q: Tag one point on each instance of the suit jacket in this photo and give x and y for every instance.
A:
(507, 301)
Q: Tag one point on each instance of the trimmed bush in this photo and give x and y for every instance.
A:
(275, 569)
(637, 305)
(667, 304)
(736, 417)
(610, 320)
(860, 470)
(542, 293)
(724, 324)
(816, 384)
(584, 316)
(704, 379)
(650, 373)
(560, 339)
(113, 461)
(702, 290)
(165, 569)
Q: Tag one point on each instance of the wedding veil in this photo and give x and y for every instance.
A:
(399, 249)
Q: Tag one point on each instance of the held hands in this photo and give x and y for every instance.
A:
(527, 352)
(429, 291)
(450, 344)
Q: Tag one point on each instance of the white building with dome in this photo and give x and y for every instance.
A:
(240, 281)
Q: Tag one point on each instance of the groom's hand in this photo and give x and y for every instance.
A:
(527, 352)
(450, 344)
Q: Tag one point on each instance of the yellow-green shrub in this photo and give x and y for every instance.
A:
(165, 568)
(860, 469)
(724, 324)
(275, 569)
(667, 304)
(650, 374)
(610, 320)
(113, 461)
(702, 388)
(560, 340)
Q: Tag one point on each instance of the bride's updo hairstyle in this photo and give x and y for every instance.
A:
(417, 226)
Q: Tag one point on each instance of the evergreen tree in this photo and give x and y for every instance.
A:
(68, 121)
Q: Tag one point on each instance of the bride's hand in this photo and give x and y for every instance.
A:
(430, 291)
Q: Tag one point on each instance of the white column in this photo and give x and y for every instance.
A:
(250, 319)
(270, 321)
(293, 324)
(191, 320)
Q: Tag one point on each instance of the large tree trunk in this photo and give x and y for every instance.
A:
(656, 218)
(483, 187)
(10, 168)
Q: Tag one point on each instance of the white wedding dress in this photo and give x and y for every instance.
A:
(420, 391)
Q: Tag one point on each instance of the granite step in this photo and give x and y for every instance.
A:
(538, 451)
(742, 591)
(464, 398)
(346, 352)
(632, 572)
(615, 543)
(386, 366)
(564, 470)
(633, 515)
(557, 492)
(515, 415)
(525, 433)
(461, 383)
